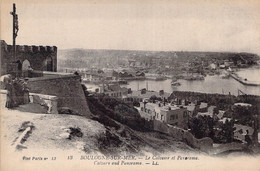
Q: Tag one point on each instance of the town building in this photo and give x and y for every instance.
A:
(92, 78)
(113, 90)
(213, 112)
(222, 66)
(228, 63)
(140, 95)
(213, 66)
(224, 119)
(241, 131)
(203, 107)
(247, 105)
(191, 108)
(166, 113)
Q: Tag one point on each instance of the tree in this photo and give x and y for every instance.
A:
(153, 98)
(161, 92)
(227, 132)
(202, 126)
(129, 91)
(196, 126)
(216, 110)
(143, 91)
(244, 115)
(135, 103)
(115, 74)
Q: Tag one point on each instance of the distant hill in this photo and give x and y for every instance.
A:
(80, 58)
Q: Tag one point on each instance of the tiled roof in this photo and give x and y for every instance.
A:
(203, 105)
(205, 114)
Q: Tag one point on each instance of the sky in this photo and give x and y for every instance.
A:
(162, 25)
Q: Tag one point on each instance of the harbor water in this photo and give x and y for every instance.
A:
(211, 84)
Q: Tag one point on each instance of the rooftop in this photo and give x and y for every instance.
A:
(148, 94)
(243, 104)
(205, 114)
(166, 107)
(203, 105)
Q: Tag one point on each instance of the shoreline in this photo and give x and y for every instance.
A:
(240, 78)
(243, 81)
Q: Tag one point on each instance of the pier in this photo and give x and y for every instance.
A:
(243, 81)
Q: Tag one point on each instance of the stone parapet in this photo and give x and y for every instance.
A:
(204, 144)
(45, 100)
(33, 48)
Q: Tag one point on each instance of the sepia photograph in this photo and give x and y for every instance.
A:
(122, 85)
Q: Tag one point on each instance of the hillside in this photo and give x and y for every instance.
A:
(81, 58)
(71, 134)
(61, 136)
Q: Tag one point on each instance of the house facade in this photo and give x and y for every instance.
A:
(166, 113)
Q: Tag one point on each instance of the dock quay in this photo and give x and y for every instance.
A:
(244, 81)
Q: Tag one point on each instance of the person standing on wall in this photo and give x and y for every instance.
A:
(20, 65)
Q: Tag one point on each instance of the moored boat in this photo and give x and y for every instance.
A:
(122, 81)
(175, 83)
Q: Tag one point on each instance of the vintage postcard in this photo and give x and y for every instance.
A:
(130, 85)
